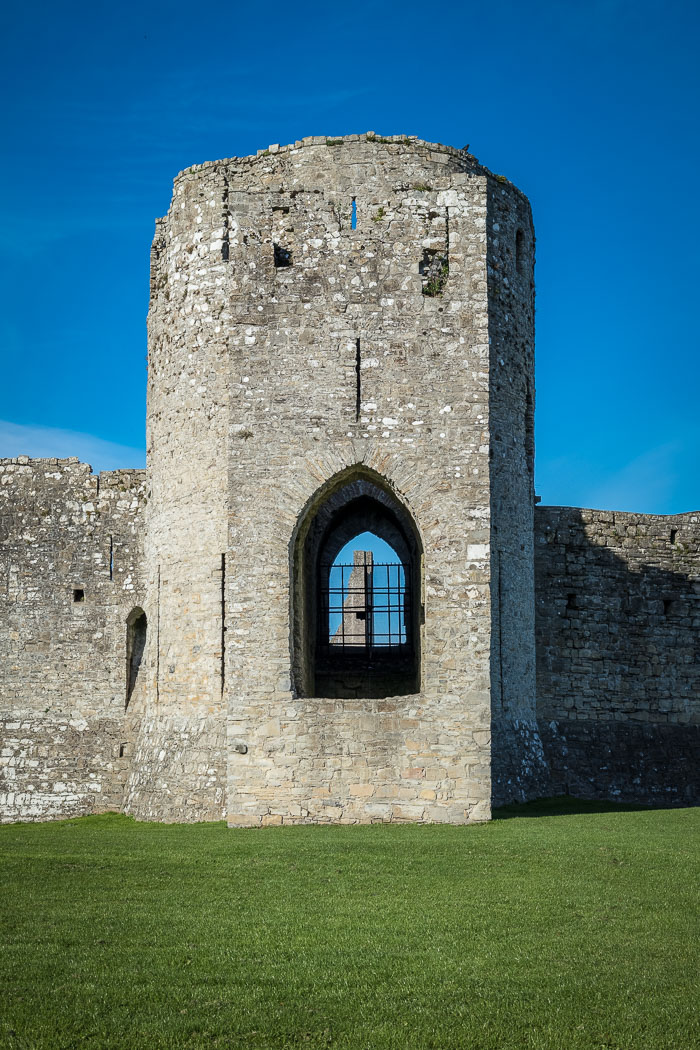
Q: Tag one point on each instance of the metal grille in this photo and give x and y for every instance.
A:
(365, 607)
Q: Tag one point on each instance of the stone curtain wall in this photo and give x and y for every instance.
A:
(329, 317)
(63, 667)
(618, 654)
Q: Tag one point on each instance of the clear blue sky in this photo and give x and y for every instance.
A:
(589, 107)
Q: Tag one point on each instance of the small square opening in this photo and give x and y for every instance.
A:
(283, 256)
(434, 269)
(78, 594)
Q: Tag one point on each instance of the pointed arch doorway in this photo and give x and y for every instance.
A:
(356, 625)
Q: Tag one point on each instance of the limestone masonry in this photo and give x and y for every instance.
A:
(341, 339)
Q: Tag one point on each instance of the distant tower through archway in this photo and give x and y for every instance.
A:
(340, 584)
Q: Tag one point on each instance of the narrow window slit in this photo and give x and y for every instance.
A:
(223, 622)
(158, 637)
(358, 380)
(226, 217)
(136, 628)
(353, 215)
(674, 533)
(111, 558)
(529, 427)
(519, 250)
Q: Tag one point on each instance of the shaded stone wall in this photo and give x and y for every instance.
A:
(518, 767)
(65, 534)
(618, 659)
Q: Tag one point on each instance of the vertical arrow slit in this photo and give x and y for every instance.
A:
(223, 622)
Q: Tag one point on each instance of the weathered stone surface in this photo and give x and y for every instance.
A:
(332, 322)
(65, 533)
(655, 763)
(618, 660)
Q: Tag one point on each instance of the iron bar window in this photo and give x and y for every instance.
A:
(365, 608)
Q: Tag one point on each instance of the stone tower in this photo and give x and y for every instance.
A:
(340, 338)
(341, 342)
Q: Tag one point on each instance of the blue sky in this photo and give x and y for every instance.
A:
(589, 107)
(388, 588)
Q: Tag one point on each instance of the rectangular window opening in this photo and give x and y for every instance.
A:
(353, 215)
(78, 594)
(571, 602)
(674, 533)
(283, 256)
(434, 269)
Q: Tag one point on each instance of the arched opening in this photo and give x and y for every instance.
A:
(136, 625)
(356, 592)
(365, 599)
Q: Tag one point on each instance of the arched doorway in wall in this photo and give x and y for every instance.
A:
(356, 592)
(136, 628)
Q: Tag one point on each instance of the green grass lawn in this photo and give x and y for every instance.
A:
(561, 926)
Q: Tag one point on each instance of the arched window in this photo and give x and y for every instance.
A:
(356, 592)
(135, 645)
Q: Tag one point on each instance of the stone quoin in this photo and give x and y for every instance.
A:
(341, 339)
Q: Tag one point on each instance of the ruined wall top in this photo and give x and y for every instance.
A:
(455, 160)
(71, 470)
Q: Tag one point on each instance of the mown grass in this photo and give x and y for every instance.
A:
(553, 929)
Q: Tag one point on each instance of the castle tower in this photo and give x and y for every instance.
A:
(341, 339)
(352, 604)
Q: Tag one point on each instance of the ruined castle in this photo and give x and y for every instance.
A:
(341, 339)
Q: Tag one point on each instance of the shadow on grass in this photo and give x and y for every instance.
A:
(566, 805)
